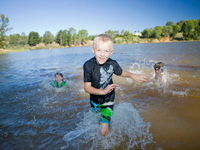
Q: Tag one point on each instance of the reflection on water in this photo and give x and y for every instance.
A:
(147, 116)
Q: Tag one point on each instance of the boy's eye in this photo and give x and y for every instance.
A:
(103, 50)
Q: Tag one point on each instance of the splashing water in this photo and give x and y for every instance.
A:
(180, 93)
(135, 68)
(46, 84)
(127, 127)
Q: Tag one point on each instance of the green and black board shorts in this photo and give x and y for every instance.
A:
(106, 112)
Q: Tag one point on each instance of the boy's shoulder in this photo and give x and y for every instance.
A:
(111, 60)
(90, 61)
(89, 64)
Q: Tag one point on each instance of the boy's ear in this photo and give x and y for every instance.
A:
(111, 52)
(92, 50)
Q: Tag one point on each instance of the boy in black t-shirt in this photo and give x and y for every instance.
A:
(98, 82)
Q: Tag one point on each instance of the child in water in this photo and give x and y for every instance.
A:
(98, 81)
(59, 81)
(159, 76)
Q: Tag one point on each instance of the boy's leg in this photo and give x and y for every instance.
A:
(106, 114)
(104, 129)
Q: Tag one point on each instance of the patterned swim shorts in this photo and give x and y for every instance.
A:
(106, 112)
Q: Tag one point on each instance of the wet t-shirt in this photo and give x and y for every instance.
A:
(100, 76)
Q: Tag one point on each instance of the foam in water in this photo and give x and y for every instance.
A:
(181, 93)
(127, 127)
(135, 68)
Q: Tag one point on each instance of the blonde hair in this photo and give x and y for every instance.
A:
(102, 38)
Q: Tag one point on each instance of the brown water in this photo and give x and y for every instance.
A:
(36, 116)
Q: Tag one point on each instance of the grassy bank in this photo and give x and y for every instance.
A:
(54, 45)
(27, 47)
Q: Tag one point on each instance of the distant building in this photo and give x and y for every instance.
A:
(137, 33)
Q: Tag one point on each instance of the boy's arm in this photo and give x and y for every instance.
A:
(90, 89)
(164, 79)
(136, 77)
(52, 84)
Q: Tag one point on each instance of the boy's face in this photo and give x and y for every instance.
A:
(158, 71)
(58, 78)
(103, 51)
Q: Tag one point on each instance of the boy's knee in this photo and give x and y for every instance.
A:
(104, 132)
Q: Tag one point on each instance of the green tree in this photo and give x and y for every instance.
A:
(169, 23)
(61, 37)
(71, 36)
(167, 31)
(188, 29)
(82, 36)
(18, 40)
(111, 33)
(48, 37)
(14, 40)
(197, 31)
(180, 23)
(127, 36)
(23, 39)
(33, 38)
(147, 33)
(156, 33)
(4, 23)
(91, 37)
(65, 38)
(176, 29)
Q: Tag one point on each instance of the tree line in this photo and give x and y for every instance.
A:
(183, 30)
(68, 37)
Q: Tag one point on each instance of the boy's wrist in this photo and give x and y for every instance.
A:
(102, 92)
(132, 76)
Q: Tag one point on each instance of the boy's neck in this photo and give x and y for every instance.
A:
(99, 63)
(59, 82)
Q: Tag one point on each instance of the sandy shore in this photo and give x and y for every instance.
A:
(89, 43)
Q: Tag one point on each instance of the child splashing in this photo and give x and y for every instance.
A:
(98, 72)
(125, 122)
(160, 78)
(59, 81)
(159, 75)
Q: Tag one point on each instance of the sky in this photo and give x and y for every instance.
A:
(96, 16)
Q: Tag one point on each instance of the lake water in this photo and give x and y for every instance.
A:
(33, 115)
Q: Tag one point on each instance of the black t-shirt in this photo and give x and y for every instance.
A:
(100, 76)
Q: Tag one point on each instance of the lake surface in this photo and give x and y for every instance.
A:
(34, 115)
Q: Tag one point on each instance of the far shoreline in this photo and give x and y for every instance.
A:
(49, 47)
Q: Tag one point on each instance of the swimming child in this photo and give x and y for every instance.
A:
(59, 81)
(159, 72)
(98, 81)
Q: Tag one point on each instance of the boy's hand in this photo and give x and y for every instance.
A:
(136, 77)
(109, 88)
(140, 78)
